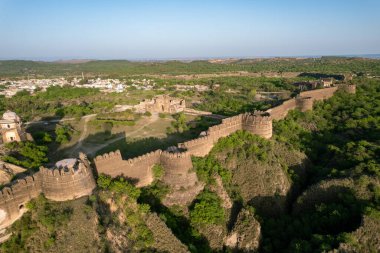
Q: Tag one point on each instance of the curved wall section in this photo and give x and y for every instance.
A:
(259, 123)
(304, 103)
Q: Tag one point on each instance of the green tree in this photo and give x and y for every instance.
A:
(26, 154)
(63, 133)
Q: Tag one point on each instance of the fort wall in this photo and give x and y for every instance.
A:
(319, 94)
(70, 182)
(14, 198)
(280, 112)
(199, 147)
(177, 166)
(58, 184)
(137, 169)
(259, 123)
(304, 103)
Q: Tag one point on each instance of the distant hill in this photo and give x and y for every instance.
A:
(17, 68)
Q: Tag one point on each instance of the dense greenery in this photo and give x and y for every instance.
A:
(341, 137)
(117, 68)
(26, 154)
(56, 101)
(63, 133)
(207, 209)
(42, 215)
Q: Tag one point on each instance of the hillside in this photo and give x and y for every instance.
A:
(124, 68)
(313, 187)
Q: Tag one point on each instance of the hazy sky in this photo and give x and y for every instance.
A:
(115, 29)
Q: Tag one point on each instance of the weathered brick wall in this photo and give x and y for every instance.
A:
(14, 198)
(319, 94)
(199, 147)
(259, 123)
(280, 112)
(177, 166)
(138, 169)
(61, 185)
(304, 104)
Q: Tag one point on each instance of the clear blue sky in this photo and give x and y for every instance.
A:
(154, 29)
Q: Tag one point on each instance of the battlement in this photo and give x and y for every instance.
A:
(69, 179)
(111, 155)
(14, 197)
(18, 186)
(177, 166)
(258, 122)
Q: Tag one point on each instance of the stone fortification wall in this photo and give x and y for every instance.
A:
(14, 198)
(349, 88)
(138, 169)
(177, 166)
(60, 184)
(227, 127)
(259, 123)
(304, 103)
(319, 94)
(199, 147)
(280, 112)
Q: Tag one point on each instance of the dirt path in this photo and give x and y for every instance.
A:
(83, 135)
(93, 149)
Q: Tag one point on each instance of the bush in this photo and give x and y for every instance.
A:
(207, 209)
(26, 154)
(63, 133)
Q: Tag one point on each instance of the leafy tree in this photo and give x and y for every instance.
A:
(179, 124)
(63, 133)
(207, 209)
(26, 154)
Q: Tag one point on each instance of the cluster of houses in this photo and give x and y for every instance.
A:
(9, 88)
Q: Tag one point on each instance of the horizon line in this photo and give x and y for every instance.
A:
(202, 58)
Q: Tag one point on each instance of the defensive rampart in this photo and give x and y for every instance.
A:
(14, 198)
(59, 184)
(138, 169)
(303, 102)
(73, 178)
(258, 122)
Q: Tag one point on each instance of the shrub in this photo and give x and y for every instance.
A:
(207, 209)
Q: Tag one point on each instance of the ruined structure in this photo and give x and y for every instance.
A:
(68, 179)
(178, 165)
(73, 178)
(8, 170)
(161, 103)
(11, 128)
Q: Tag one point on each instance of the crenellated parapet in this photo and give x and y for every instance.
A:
(180, 162)
(199, 147)
(14, 198)
(137, 169)
(258, 122)
(304, 103)
(69, 179)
